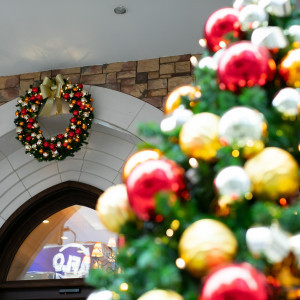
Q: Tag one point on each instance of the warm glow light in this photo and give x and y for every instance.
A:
(112, 243)
(175, 225)
(194, 61)
(124, 287)
(193, 162)
(248, 196)
(64, 237)
(222, 44)
(235, 153)
(169, 232)
(46, 221)
(202, 43)
(180, 263)
(282, 201)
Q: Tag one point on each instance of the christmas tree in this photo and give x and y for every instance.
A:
(212, 210)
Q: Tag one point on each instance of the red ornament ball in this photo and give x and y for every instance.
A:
(60, 136)
(66, 96)
(34, 89)
(23, 111)
(245, 64)
(39, 97)
(77, 94)
(80, 86)
(46, 144)
(218, 25)
(149, 178)
(52, 147)
(32, 98)
(28, 138)
(75, 113)
(236, 282)
(73, 120)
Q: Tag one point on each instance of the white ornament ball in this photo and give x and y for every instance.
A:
(19, 129)
(175, 119)
(241, 126)
(287, 102)
(253, 16)
(232, 182)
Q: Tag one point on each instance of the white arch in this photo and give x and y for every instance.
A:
(112, 139)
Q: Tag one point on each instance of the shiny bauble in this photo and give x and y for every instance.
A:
(137, 158)
(206, 244)
(172, 122)
(278, 8)
(173, 101)
(244, 64)
(235, 282)
(241, 127)
(19, 129)
(240, 4)
(198, 137)
(160, 295)
(289, 68)
(113, 208)
(208, 62)
(294, 33)
(232, 182)
(253, 16)
(287, 102)
(147, 179)
(273, 174)
(221, 23)
(271, 37)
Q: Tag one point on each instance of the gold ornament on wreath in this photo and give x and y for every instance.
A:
(39, 100)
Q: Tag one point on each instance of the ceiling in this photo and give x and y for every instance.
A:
(39, 35)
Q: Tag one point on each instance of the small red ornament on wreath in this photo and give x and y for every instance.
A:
(31, 107)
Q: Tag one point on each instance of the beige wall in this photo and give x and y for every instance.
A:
(149, 80)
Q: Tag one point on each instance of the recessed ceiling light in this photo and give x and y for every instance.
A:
(120, 10)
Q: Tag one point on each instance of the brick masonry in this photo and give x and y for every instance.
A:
(150, 80)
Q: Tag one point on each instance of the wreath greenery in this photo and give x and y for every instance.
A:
(64, 144)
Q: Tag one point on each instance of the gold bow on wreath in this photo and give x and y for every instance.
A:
(52, 91)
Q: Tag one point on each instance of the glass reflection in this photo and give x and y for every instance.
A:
(66, 245)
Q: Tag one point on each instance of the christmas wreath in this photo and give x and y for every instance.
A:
(39, 100)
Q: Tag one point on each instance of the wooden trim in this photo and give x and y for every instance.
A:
(34, 211)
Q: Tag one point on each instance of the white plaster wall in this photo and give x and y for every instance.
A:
(112, 139)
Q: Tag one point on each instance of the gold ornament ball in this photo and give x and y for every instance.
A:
(289, 69)
(206, 244)
(273, 173)
(113, 208)
(173, 100)
(199, 136)
(161, 295)
(137, 158)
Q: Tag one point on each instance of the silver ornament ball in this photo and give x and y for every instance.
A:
(176, 119)
(253, 16)
(287, 102)
(241, 126)
(232, 182)
(19, 129)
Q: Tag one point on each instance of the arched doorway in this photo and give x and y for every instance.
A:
(70, 198)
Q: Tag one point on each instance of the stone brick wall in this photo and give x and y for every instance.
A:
(150, 80)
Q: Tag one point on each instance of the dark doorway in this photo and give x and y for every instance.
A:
(22, 223)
